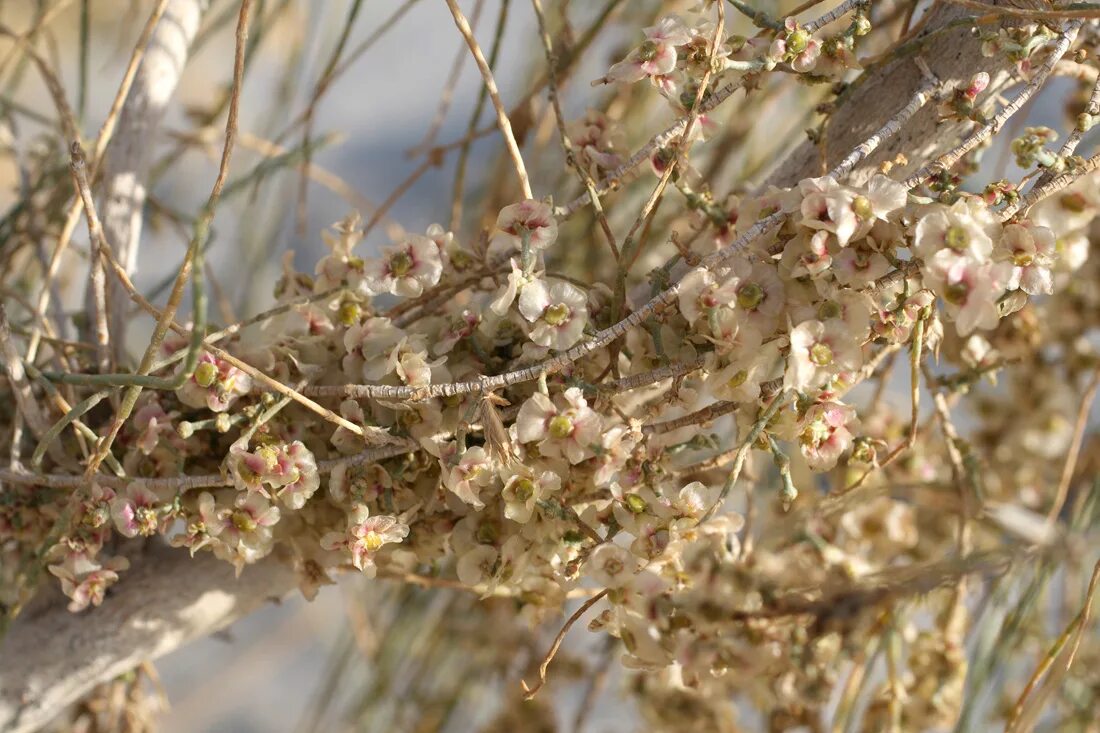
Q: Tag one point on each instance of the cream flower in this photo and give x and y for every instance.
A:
(570, 432)
(824, 434)
(819, 351)
(966, 227)
(558, 310)
(405, 269)
(1031, 250)
(656, 56)
(365, 536)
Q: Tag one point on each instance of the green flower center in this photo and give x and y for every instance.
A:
(349, 313)
(737, 379)
(524, 489)
(750, 295)
(1022, 259)
(400, 264)
(561, 427)
(556, 315)
(862, 207)
(956, 293)
(635, 503)
(798, 41)
(957, 237)
(828, 309)
(205, 374)
(647, 51)
(244, 521)
(821, 354)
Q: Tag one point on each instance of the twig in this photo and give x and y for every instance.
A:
(1070, 465)
(530, 692)
(1038, 193)
(503, 122)
(984, 132)
(97, 284)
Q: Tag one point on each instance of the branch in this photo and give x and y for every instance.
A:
(50, 656)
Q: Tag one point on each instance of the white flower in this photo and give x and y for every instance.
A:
(883, 197)
(819, 351)
(476, 565)
(965, 227)
(969, 288)
(828, 205)
(559, 311)
(701, 291)
(824, 434)
(405, 269)
(1031, 250)
(656, 56)
(365, 536)
(569, 432)
(523, 490)
(467, 475)
(611, 565)
(758, 294)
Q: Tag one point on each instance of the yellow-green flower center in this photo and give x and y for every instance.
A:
(561, 427)
(244, 521)
(205, 374)
(861, 205)
(372, 541)
(400, 264)
(737, 379)
(1023, 259)
(556, 314)
(821, 354)
(957, 237)
(828, 309)
(798, 41)
(635, 503)
(524, 489)
(956, 293)
(750, 295)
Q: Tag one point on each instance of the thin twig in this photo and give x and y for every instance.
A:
(530, 692)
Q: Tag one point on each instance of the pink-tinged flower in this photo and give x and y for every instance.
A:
(730, 334)
(241, 525)
(523, 489)
(819, 351)
(896, 323)
(882, 197)
(1032, 251)
(504, 298)
(594, 137)
(823, 434)
(85, 580)
(289, 471)
(408, 359)
(405, 269)
(569, 432)
(215, 384)
(970, 289)
(857, 266)
(340, 267)
(657, 54)
(611, 565)
(366, 343)
(365, 536)
(135, 512)
(807, 256)
(529, 220)
(758, 294)
(559, 311)
(740, 378)
(702, 291)
(459, 325)
(966, 226)
(152, 422)
(466, 476)
(827, 205)
(795, 46)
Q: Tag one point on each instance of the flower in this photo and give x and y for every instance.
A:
(523, 489)
(368, 343)
(559, 311)
(819, 351)
(241, 525)
(364, 536)
(823, 434)
(701, 291)
(85, 580)
(473, 470)
(965, 226)
(827, 205)
(656, 56)
(529, 220)
(215, 384)
(569, 432)
(134, 511)
(970, 289)
(289, 469)
(406, 268)
(795, 46)
(152, 423)
(1031, 250)
(340, 266)
(611, 565)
